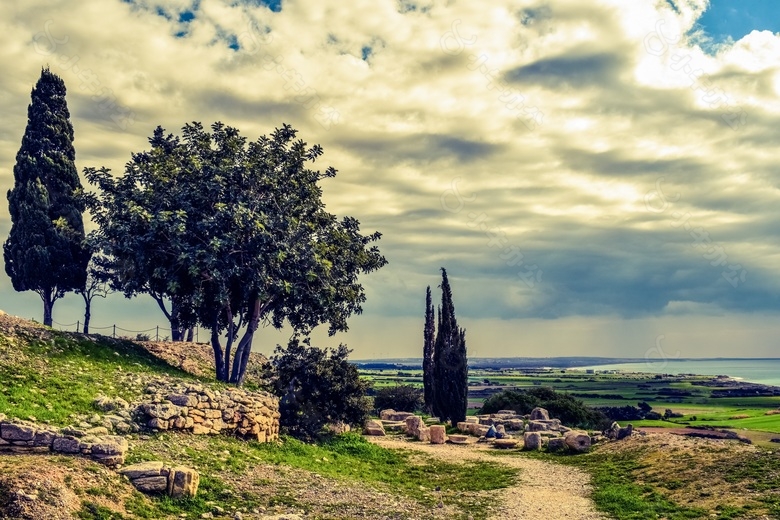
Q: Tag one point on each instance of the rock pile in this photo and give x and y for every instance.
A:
(24, 437)
(408, 423)
(154, 477)
(538, 429)
(202, 411)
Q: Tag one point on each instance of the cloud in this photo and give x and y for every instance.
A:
(433, 136)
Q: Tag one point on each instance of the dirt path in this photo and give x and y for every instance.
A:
(544, 490)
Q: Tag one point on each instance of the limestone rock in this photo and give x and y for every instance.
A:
(413, 425)
(505, 443)
(392, 415)
(142, 469)
(373, 427)
(183, 482)
(532, 441)
(183, 399)
(556, 444)
(459, 439)
(438, 434)
(537, 426)
(107, 404)
(625, 432)
(158, 484)
(540, 414)
(578, 442)
(16, 432)
(67, 444)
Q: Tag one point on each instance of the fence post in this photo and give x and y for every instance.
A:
(157, 334)
(77, 325)
(115, 330)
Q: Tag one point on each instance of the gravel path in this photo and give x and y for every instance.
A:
(545, 490)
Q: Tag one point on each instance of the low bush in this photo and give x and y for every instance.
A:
(570, 410)
(406, 398)
(316, 387)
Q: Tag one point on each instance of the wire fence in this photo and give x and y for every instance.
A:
(152, 333)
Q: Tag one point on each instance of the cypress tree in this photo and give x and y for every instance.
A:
(428, 344)
(45, 251)
(450, 361)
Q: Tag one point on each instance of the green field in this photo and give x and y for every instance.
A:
(681, 394)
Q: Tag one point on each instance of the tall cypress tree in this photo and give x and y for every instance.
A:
(450, 361)
(428, 344)
(45, 251)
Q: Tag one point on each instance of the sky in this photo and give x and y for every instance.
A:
(597, 177)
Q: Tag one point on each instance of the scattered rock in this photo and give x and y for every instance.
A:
(459, 439)
(578, 442)
(556, 444)
(438, 434)
(622, 433)
(540, 414)
(532, 441)
(505, 443)
(373, 427)
(183, 482)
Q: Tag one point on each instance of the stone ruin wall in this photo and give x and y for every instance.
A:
(202, 411)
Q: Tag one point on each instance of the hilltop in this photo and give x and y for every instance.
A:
(53, 378)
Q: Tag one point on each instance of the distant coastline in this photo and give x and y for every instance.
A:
(764, 371)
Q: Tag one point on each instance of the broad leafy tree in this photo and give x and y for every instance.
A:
(233, 233)
(450, 364)
(46, 251)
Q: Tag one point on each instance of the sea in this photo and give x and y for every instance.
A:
(764, 371)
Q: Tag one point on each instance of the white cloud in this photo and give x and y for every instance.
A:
(618, 113)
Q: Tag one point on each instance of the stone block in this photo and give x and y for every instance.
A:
(438, 434)
(532, 441)
(142, 469)
(183, 482)
(67, 444)
(157, 484)
(578, 442)
(540, 414)
(16, 432)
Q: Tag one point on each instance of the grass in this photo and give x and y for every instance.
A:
(708, 482)
(54, 378)
(695, 399)
(347, 457)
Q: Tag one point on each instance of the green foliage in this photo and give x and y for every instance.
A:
(46, 251)
(428, 348)
(450, 365)
(406, 398)
(234, 234)
(316, 387)
(570, 410)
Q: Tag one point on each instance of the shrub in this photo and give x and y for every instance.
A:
(570, 410)
(316, 387)
(406, 398)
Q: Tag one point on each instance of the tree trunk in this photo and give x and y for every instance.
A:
(87, 316)
(48, 305)
(245, 345)
(219, 359)
(87, 311)
(190, 334)
(244, 360)
(177, 332)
